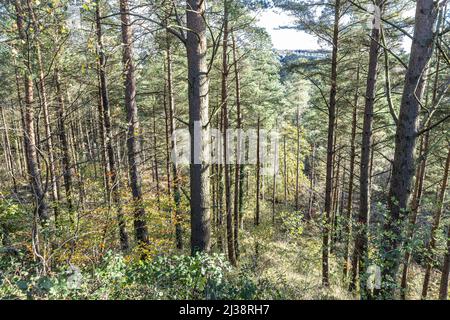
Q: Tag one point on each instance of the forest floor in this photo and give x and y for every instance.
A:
(289, 255)
(291, 258)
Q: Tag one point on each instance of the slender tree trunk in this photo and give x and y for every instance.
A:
(66, 157)
(362, 232)
(311, 183)
(155, 157)
(198, 118)
(285, 173)
(114, 182)
(8, 153)
(443, 288)
(172, 127)
(418, 189)
(336, 182)
(258, 172)
(349, 215)
(224, 102)
(29, 138)
(44, 106)
(237, 170)
(434, 229)
(134, 134)
(329, 170)
(297, 161)
(405, 140)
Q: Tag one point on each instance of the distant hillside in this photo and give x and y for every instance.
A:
(289, 55)
(288, 58)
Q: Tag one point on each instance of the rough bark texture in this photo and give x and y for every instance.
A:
(360, 255)
(198, 118)
(405, 141)
(133, 138)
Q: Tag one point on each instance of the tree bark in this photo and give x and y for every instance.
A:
(44, 105)
(434, 229)
(66, 157)
(362, 234)
(258, 172)
(329, 165)
(443, 288)
(134, 134)
(238, 167)
(198, 119)
(29, 138)
(349, 215)
(172, 126)
(405, 141)
(418, 189)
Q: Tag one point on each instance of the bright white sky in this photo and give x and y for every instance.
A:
(285, 39)
(290, 39)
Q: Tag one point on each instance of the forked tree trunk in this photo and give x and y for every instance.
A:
(29, 138)
(44, 105)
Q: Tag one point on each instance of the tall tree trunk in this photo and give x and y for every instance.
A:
(258, 172)
(329, 170)
(224, 102)
(405, 140)
(312, 183)
(29, 138)
(434, 229)
(172, 127)
(134, 134)
(297, 160)
(238, 167)
(8, 153)
(155, 158)
(44, 105)
(112, 174)
(362, 232)
(66, 157)
(418, 189)
(349, 209)
(285, 184)
(198, 118)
